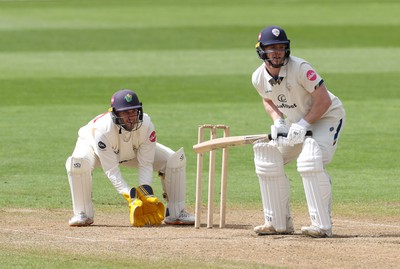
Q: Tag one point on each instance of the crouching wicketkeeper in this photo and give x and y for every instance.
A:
(126, 136)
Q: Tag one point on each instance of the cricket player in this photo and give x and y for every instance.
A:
(296, 98)
(126, 136)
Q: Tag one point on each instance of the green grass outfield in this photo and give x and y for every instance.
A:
(191, 63)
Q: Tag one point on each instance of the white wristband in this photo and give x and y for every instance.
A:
(303, 123)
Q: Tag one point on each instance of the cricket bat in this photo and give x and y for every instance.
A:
(229, 141)
(232, 141)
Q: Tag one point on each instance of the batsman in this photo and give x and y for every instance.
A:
(125, 135)
(296, 98)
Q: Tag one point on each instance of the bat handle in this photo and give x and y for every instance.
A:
(308, 133)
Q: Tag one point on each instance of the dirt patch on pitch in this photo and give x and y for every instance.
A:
(361, 243)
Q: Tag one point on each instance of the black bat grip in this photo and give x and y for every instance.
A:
(308, 133)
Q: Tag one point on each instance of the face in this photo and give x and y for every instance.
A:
(276, 53)
(130, 118)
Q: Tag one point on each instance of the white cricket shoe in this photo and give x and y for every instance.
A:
(184, 218)
(80, 220)
(316, 232)
(268, 229)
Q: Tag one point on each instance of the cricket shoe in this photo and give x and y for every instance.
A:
(316, 232)
(184, 218)
(80, 220)
(268, 229)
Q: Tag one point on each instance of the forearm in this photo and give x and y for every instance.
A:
(145, 174)
(321, 104)
(315, 113)
(145, 157)
(272, 110)
(115, 177)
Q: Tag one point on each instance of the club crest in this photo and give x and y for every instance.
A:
(276, 32)
(128, 98)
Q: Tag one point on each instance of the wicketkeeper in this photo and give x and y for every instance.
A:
(296, 98)
(126, 136)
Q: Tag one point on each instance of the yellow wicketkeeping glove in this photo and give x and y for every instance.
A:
(144, 208)
(135, 209)
(153, 209)
(127, 197)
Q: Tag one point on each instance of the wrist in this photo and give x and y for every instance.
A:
(279, 122)
(303, 123)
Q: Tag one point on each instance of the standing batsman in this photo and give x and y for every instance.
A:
(296, 98)
(126, 136)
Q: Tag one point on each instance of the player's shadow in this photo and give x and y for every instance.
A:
(108, 226)
(228, 226)
(245, 227)
(396, 235)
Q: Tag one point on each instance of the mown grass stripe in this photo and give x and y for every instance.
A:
(171, 63)
(159, 13)
(192, 38)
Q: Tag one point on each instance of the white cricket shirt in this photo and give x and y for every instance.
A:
(293, 95)
(114, 145)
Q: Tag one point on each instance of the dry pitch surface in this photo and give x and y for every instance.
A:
(357, 243)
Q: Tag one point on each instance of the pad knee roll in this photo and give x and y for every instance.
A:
(310, 158)
(268, 160)
(77, 165)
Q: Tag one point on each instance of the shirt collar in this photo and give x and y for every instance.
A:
(276, 80)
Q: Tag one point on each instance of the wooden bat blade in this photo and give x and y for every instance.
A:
(225, 142)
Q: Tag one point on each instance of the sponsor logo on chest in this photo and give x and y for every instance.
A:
(283, 102)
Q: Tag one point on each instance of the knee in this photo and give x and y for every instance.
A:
(177, 159)
(77, 165)
(268, 160)
(310, 159)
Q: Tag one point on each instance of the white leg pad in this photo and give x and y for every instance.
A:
(175, 183)
(317, 185)
(80, 181)
(274, 185)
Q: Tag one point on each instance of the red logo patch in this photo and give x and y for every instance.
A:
(311, 75)
(153, 137)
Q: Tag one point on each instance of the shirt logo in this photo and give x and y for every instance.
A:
(311, 75)
(153, 136)
(101, 145)
(282, 98)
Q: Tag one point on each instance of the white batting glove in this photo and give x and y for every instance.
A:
(297, 132)
(280, 141)
(279, 127)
